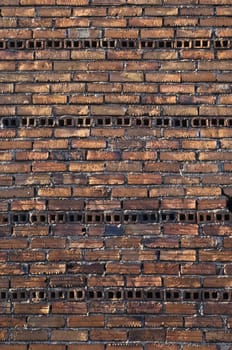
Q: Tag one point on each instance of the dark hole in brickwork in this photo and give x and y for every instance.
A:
(99, 294)
(3, 295)
(228, 202)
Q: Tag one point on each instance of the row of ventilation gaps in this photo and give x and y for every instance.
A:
(14, 122)
(15, 44)
(131, 294)
(114, 218)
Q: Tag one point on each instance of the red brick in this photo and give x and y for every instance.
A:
(180, 309)
(184, 335)
(129, 192)
(69, 308)
(46, 347)
(86, 347)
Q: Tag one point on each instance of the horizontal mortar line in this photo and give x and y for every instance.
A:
(40, 44)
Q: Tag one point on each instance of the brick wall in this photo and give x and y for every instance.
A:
(115, 174)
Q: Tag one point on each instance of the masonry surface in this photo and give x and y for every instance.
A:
(115, 174)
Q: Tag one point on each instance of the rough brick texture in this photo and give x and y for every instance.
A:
(115, 175)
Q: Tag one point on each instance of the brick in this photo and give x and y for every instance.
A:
(45, 322)
(120, 34)
(180, 22)
(108, 110)
(3, 335)
(180, 309)
(211, 203)
(54, 192)
(127, 76)
(104, 87)
(101, 155)
(216, 155)
(106, 179)
(213, 255)
(202, 144)
(197, 55)
(46, 166)
(218, 337)
(215, 282)
(86, 243)
(129, 192)
(71, 110)
(165, 191)
(209, 321)
(33, 110)
(160, 99)
(178, 255)
(194, 242)
(72, 2)
(12, 347)
(86, 321)
(200, 168)
(41, 308)
(177, 203)
(158, 321)
(162, 167)
(135, 307)
(203, 192)
(112, 268)
(46, 347)
(68, 335)
(186, 335)
(211, 309)
(147, 335)
(105, 281)
(120, 55)
(86, 166)
(37, 269)
(122, 11)
(35, 133)
(179, 156)
(161, 268)
(30, 231)
(84, 55)
(47, 242)
(108, 335)
(54, 144)
(90, 192)
(86, 347)
(69, 308)
(30, 335)
(145, 179)
(27, 205)
(127, 321)
(157, 33)
(139, 155)
(160, 55)
(36, 65)
(143, 281)
(179, 110)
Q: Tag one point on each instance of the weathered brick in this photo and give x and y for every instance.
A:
(132, 123)
(180, 309)
(186, 335)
